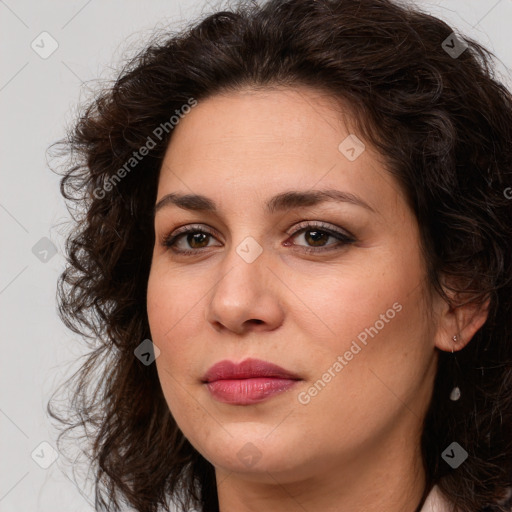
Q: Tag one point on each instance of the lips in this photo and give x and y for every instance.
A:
(247, 369)
(247, 383)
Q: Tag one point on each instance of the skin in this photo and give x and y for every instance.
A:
(355, 446)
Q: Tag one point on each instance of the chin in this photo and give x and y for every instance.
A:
(253, 453)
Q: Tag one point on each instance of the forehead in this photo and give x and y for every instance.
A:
(247, 141)
(250, 121)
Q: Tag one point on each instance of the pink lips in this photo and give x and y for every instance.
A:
(248, 382)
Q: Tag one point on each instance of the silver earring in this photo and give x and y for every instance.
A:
(455, 393)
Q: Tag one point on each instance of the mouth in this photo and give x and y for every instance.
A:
(248, 382)
(247, 369)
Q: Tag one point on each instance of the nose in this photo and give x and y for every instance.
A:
(247, 297)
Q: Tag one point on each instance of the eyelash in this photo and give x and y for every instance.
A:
(344, 239)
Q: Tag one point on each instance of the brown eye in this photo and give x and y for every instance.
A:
(192, 240)
(197, 238)
(188, 240)
(317, 236)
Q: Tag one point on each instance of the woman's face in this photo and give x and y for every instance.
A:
(341, 305)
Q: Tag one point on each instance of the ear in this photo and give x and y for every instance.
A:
(462, 320)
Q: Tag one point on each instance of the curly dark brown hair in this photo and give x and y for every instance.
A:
(443, 121)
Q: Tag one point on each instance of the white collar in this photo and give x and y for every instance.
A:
(435, 502)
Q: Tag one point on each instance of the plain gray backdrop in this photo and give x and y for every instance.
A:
(51, 49)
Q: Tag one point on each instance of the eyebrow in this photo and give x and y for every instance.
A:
(281, 202)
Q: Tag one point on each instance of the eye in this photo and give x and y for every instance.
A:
(194, 236)
(315, 234)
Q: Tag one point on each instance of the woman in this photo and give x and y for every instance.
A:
(295, 255)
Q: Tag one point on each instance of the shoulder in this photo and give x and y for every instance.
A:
(436, 502)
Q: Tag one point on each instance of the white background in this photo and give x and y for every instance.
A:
(37, 99)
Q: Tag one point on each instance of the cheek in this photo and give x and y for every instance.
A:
(337, 306)
(169, 312)
(170, 315)
(375, 318)
(176, 316)
(173, 304)
(382, 366)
